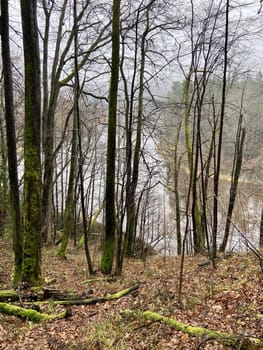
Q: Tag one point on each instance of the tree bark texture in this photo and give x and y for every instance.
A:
(31, 273)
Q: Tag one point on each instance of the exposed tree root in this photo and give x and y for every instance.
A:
(235, 341)
(30, 314)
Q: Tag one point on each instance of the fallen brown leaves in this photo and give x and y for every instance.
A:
(228, 299)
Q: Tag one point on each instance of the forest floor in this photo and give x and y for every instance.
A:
(229, 298)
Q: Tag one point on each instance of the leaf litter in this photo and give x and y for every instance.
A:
(229, 298)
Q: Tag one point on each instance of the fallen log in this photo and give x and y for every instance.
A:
(30, 314)
(11, 295)
(56, 294)
(235, 341)
(89, 301)
(31, 295)
(8, 295)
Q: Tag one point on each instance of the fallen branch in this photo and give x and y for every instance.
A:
(90, 301)
(100, 279)
(11, 295)
(236, 341)
(32, 296)
(30, 314)
(56, 294)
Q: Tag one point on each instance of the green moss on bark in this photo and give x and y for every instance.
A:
(108, 256)
(31, 271)
(234, 340)
(8, 295)
(29, 314)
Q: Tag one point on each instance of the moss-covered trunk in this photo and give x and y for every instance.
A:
(31, 272)
(109, 244)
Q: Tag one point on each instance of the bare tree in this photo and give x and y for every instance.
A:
(236, 169)
(109, 241)
(220, 137)
(62, 62)
(11, 144)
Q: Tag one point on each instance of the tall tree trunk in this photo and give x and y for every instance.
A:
(4, 189)
(240, 138)
(205, 173)
(11, 144)
(70, 207)
(109, 242)
(198, 234)
(81, 160)
(48, 116)
(31, 273)
(199, 210)
(220, 138)
(48, 170)
(127, 175)
(46, 127)
(177, 163)
(131, 208)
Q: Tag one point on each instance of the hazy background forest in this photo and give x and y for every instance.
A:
(189, 111)
(131, 177)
